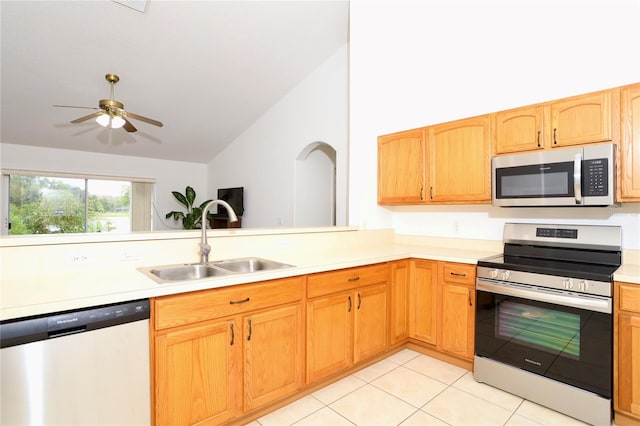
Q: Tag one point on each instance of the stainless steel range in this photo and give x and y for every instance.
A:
(544, 323)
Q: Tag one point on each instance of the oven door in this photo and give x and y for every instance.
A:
(565, 337)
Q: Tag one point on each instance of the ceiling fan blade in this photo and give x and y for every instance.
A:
(87, 117)
(145, 119)
(74, 106)
(128, 126)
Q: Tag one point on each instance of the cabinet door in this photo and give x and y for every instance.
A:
(522, 129)
(629, 184)
(370, 322)
(272, 355)
(628, 364)
(329, 335)
(401, 167)
(582, 119)
(457, 319)
(399, 302)
(423, 298)
(460, 161)
(197, 374)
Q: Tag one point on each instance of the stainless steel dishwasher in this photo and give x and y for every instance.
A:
(81, 367)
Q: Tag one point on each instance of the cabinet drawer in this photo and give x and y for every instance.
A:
(629, 297)
(172, 311)
(346, 279)
(459, 273)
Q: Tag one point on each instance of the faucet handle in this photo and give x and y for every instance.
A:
(205, 249)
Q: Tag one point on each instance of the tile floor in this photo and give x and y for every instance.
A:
(411, 389)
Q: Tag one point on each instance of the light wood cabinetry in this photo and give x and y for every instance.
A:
(460, 161)
(457, 295)
(584, 119)
(196, 374)
(627, 354)
(401, 167)
(220, 353)
(347, 318)
(446, 163)
(399, 302)
(629, 158)
(522, 129)
(423, 301)
(442, 307)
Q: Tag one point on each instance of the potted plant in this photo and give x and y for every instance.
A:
(192, 219)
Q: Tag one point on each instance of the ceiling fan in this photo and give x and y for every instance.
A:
(111, 113)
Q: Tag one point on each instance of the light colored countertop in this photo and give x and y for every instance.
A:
(38, 279)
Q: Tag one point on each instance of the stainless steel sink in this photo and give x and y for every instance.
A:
(221, 268)
(249, 264)
(186, 272)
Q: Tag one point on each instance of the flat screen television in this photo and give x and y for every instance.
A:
(235, 198)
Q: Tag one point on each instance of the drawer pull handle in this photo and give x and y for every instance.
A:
(359, 301)
(233, 334)
(250, 330)
(458, 274)
(354, 279)
(349, 310)
(237, 302)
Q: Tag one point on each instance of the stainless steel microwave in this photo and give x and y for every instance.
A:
(581, 176)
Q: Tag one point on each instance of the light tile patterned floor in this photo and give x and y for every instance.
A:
(412, 389)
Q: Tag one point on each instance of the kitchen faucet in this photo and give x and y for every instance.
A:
(205, 248)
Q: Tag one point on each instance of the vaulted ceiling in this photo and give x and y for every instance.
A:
(206, 69)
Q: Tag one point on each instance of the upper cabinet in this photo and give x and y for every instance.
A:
(629, 179)
(446, 163)
(401, 167)
(460, 161)
(522, 129)
(450, 163)
(585, 119)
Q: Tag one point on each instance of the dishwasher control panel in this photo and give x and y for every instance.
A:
(49, 326)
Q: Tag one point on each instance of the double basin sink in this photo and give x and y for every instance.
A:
(221, 268)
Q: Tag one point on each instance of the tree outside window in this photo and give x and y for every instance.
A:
(51, 205)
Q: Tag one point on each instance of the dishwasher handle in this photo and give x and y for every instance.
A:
(49, 326)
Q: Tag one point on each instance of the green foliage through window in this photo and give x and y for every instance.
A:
(46, 205)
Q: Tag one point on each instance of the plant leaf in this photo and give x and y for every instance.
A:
(181, 198)
(191, 195)
(204, 204)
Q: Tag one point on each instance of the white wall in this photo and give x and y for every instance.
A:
(169, 175)
(414, 64)
(263, 158)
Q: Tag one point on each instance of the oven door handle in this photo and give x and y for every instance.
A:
(603, 305)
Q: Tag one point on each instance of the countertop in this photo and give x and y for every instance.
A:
(59, 289)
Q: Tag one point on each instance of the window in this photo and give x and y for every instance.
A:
(52, 203)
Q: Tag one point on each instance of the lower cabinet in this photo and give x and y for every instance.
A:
(348, 326)
(197, 372)
(442, 300)
(423, 301)
(399, 302)
(457, 300)
(221, 353)
(627, 354)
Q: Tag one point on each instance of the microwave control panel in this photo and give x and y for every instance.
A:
(595, 178)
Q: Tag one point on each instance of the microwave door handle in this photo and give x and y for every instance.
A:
(577, 178)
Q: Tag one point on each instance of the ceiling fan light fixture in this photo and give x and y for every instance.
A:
(117, 122)
(103, 120)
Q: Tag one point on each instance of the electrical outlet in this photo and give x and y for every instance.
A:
(78, 258)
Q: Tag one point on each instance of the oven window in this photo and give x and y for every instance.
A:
(549, 330)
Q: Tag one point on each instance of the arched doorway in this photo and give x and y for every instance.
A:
(315, 186)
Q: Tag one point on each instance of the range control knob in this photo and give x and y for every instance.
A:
(583, 286)
(567, 284)
(505, 275)
(493, 273)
